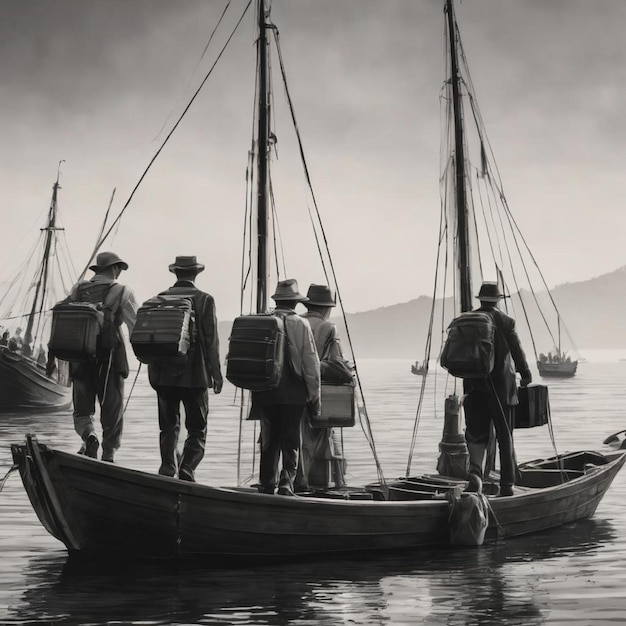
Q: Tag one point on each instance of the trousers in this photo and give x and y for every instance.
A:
(280, 434)
(196, 403)
(88, 383)
(482, 409)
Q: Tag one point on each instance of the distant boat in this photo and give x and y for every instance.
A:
(25, 381)
(419, 370)
(557, 364)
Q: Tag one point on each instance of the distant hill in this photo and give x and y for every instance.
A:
(593, 311)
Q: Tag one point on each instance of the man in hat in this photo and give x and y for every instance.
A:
(320, 444)
(281, 409)
(188, 383)
(492, 400)
(104, 378)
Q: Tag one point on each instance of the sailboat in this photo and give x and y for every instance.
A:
(417, 369)
(557, 364)
(103, 510)
(27, 382)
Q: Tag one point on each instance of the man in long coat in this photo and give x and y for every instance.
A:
(188, 382)
(492, 400)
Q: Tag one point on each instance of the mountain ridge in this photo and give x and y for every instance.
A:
(591, 310)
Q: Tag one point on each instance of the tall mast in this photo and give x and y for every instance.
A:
(42, 282)
(465, 282)
(262, 142)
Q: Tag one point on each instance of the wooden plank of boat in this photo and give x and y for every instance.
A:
(103, 509)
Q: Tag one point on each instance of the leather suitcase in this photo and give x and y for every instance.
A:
(533, 408)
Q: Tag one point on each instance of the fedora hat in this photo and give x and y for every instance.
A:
(321, 295)
(186, 263)
(288, 290)
(106, 259)
(489, 292)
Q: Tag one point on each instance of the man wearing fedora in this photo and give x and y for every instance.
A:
(103, 379)
(492, 400)
(319, 444)
(282, 409)
(188, 383)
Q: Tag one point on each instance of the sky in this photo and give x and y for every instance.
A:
(99, 83)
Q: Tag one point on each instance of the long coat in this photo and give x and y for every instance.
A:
(202, 366)
(509, 357)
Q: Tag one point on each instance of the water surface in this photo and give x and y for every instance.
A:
(572, 575)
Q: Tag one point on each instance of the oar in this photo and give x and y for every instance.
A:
(613, 438)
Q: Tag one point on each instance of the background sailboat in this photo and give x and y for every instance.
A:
(45, 276)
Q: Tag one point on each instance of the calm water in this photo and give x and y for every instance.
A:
(575, 574)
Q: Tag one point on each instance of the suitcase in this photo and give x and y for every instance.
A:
(338, 407)
(533, 408)
(163, 331)
(256, 352)
(75, 330)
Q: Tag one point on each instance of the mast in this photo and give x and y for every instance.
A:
(42, 282)
(262, 142)
(465, 282)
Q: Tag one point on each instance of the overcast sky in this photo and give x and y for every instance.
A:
(94, 82)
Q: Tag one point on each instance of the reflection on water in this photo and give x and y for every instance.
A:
(455, 587)
(574, 574)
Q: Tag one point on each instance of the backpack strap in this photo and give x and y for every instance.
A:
(109, 303)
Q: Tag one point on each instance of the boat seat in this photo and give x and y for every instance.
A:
(539, 478)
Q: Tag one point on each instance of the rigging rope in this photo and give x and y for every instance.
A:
(169, 135)
(363, 415)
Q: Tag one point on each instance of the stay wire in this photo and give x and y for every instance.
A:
(169, 135)
(363, 415)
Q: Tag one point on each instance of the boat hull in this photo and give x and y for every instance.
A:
(102, 509)
(25, 386)
(557, 370)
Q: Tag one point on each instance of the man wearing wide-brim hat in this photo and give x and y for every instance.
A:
(320, 444)
(492, 400)
(103, 379)
(282, 409)
(188, 383)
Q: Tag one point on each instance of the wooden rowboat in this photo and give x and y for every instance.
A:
(100, 509)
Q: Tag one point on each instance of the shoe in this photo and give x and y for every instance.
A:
(506, 490)
(285, 487)
(184, 473)
(266, 489)
(91, 446)
(474, 484)
(285, 490)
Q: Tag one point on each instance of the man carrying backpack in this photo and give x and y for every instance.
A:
(188, 381)
(103, 378)
(491, 400)
(282, 409)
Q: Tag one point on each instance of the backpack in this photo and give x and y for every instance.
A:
(83, 330)
(256, 351)
(468, 351)
(164, 331)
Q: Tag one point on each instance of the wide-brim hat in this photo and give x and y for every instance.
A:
(288, 290)
(490, 292)
(189, 263)
(106, 259)
(321, 295)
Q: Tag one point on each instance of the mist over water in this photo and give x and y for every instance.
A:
(572, 575)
